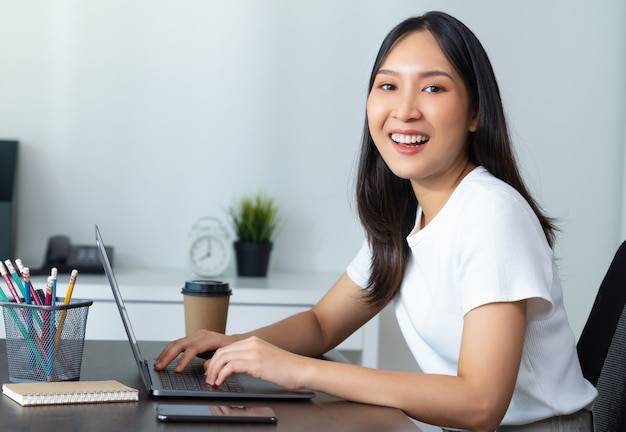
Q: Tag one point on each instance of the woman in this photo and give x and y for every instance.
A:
(455, 240)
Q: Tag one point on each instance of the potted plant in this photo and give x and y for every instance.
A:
(255, 221)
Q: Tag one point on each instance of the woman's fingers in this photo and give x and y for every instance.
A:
(257, 358)
(190, 346)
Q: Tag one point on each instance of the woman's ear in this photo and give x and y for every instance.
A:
(473, 120)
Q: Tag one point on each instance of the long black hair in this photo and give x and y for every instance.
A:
(386, 204)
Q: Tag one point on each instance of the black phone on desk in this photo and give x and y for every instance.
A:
(65, 256)
(226, 413)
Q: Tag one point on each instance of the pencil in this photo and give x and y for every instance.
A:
(49, 285)
(27, 298)
(29, 318)
(68, 297)
(54, 273)
(15, 277)
(48, 327)
(70, 287)
(22, 330)
(33, 292)
(7, 280)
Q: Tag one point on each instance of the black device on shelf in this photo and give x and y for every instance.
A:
(63, 255)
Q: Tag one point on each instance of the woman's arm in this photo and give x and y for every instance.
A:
(475, 399)
(311, 333)
(336, 316)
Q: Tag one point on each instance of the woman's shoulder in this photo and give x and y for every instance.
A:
(482, 187)
(483, 198)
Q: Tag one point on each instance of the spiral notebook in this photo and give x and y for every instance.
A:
(69, 392)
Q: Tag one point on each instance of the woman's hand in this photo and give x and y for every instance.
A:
(191, 346)
(260, 359)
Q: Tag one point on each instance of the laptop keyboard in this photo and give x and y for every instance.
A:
(192, 378)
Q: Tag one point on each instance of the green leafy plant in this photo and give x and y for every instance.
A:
(255, 218)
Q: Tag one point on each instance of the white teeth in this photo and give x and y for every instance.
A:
(409, 139)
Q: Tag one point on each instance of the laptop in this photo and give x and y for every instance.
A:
(190, 383)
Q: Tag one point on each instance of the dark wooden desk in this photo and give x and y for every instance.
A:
(113, 360)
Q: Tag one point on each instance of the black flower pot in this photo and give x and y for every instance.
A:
(252, 258)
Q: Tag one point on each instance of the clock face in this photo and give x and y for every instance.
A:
(209, 255)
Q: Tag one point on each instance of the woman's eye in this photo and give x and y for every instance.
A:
(387, 86)
(433, 89)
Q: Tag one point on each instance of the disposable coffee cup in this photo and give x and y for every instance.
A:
(206, 305)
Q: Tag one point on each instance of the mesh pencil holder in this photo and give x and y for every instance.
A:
(45, 343)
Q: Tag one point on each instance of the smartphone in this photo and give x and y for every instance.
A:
(215, 413)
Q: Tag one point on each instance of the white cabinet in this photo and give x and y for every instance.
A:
(155, 305)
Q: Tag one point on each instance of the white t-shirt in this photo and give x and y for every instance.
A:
(486, 245)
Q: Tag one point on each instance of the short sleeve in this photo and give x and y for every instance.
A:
(359, 269)
(504, 256)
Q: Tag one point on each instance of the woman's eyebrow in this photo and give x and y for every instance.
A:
(424, 74)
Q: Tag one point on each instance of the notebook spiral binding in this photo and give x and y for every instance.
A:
(80, 397)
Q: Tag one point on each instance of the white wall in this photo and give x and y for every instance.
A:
(142, 116)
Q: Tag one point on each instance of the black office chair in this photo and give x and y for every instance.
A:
(602, 347)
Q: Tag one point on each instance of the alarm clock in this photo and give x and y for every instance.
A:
(210, 249)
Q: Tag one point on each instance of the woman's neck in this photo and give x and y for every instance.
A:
(433, 196)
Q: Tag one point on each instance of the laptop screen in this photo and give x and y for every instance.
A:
(108, 270)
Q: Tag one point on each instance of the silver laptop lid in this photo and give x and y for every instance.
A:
(108, 270)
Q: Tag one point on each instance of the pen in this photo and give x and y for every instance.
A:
(34, 297)
(41, 293)
(7, 280)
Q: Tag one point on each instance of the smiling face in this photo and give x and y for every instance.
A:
(419, 115)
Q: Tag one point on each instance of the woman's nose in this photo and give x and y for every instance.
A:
(407, 107)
